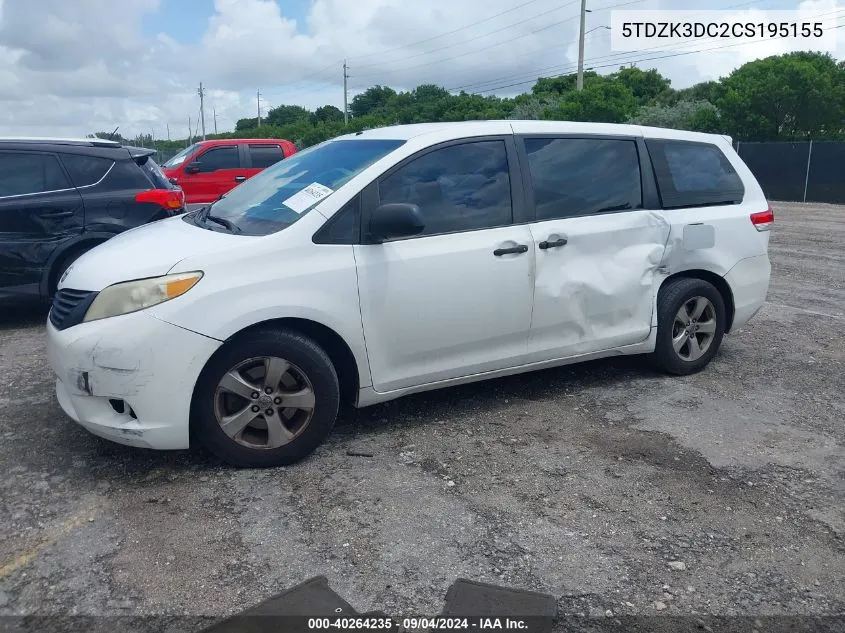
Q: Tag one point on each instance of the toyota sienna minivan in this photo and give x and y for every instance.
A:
(404, 259)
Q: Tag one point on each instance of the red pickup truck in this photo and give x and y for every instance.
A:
(208, 169)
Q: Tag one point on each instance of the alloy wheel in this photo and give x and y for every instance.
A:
(694, 328)
(264, 402)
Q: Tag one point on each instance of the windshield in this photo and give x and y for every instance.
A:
(280, 195)
(181, 156)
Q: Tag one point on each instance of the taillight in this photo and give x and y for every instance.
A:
(763, 220)
(170, 199)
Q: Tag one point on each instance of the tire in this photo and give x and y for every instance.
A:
(676, 351)
(307, 368)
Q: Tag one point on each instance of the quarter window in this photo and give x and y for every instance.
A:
(577, 176)
(457, 188)
(219, 158)
(23, 173)
(85, 170)
(693, 174)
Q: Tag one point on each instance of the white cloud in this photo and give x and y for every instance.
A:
(76, 67)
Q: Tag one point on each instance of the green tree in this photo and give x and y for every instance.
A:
(602, 99)
(286, 114)
(645, 85)
(703, 91)
(698, 116)
(246, 124)
(560, 85)
(792, 96)
(370, 100)
(327, 113)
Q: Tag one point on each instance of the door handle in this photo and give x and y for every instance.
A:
(56, 214)
(521, 248)
(240, 178)
(558, 242)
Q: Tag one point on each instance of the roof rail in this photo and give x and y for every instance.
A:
(48, 140)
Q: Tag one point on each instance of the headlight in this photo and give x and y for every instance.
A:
(131, 296)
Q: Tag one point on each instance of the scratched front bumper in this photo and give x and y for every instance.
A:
(149, 365)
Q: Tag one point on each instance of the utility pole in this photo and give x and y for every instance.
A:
(258, 100)
(202, 109)
(168, 131)
(214, 110)
(190, 132)
(579, 82)
(345, 94)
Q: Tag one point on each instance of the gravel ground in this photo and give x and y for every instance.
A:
(604, 484)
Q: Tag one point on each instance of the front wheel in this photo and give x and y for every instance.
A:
(267, 398)
(690, 326)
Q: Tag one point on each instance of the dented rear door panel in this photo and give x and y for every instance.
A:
(32, 227)
(597, 291)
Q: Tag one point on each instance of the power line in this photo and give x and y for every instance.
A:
(478, 37)
(554, 67)
(513, 39)
(616, 63)
(312, 76)
(478, 84)
(462, 28)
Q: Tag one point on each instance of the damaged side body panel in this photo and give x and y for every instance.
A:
(597, 292)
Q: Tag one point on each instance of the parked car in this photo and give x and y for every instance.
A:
(404, 259)
(208, 169)
(61, 197)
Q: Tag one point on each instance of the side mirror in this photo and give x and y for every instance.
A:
(173, 181)
(192, 168)
(398, 219)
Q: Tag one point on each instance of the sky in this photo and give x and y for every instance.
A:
(73, 67)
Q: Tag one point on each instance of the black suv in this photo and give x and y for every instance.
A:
(60, 198)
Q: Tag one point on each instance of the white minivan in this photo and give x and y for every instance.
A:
(403, 259)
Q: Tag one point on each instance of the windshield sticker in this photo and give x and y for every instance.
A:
(314, 192)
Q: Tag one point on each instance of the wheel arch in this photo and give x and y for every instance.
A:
(717, 281)
(333, 344)
(84, 242)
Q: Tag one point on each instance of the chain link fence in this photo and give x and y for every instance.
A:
(809, 171)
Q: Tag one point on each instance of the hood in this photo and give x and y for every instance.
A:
(146, 251)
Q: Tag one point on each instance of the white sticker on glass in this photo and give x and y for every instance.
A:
(302, 200)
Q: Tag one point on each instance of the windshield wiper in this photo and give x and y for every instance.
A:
(204, 213)
(222, 222)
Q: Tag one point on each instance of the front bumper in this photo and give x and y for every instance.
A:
(137, 363)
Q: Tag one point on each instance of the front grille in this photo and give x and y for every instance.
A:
(69, 307)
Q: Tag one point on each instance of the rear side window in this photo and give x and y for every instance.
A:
(457, 188)
(219, 158)
(126, 174)
(579, 176)
(265, 155)
(25, 173)
(691, 174)
(86, 170)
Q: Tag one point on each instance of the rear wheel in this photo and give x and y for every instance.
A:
(690, 325)
(268, 398)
